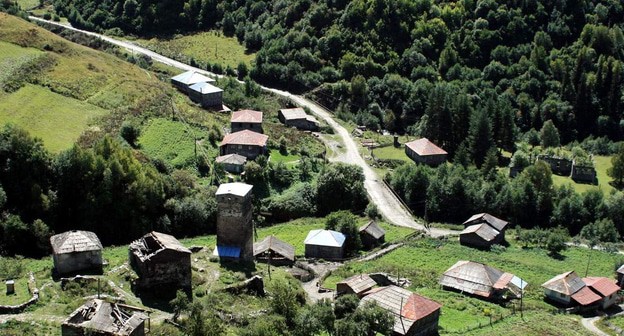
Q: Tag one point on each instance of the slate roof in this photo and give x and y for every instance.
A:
(204, 88)
(234, 159)
(492, 221)
(75, 241)
(566, 283)
(359, 283)
(475, 278)
(247, 116)
(405, 306)
(191, 77)
(235, 188)
(424, 147)
(271, 243)
(105, 317)
(373, 229)
(325, 238)
(601, 285)
(482, 230)
(155, 242)
(245, 137)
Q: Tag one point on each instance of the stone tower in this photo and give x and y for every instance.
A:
(234, 223)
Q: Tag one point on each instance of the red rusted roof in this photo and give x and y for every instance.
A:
(245, 137)
(418, 307)
(601, 285)
(424, 147)
(247, 116)
(502, 282)
(585, 296)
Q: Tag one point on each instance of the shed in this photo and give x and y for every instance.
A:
(279, 252)
(426, 152)
(161, 262)
(246, 143)
(494, 222)
(206, 94)
(75, 251)
(186, 79)
(297, 117)
(480, 236)
(324, 244)
(482, 280)
(246, 119)
(232, 163)
(98, 317)
(605, 288)
(357, 284)
(569, 289)
(371, 235)
(414, 315)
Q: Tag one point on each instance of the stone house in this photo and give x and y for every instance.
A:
(246, 143)
(558, 165)
(98, 317)
(246, 120)
(482, 280)
(426, 152)
(583, 173)
(232, 163)
(187, 79)
(324, 244)
(75, 251)
(234, 221)
(372, 235)
(207, 95)
(161, 262)
(357, 284)
(297, 117)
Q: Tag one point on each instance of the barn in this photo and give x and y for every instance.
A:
(274, 251)
(425, 152)
(482, 280)
(372, 235)
(324, 244)
(75, 251)
(357, 284)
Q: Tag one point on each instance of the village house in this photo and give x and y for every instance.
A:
(605, 288)
(372, 235)
(414, 315)
(246, 143)
(274, 251)
(234, 222)
(161, 262)
(620, 276)
(357, 284)
(232, 163)
(482, 280)
(482, 231)
(186, 79)
(297, 117)
(207, 95)
(426, 152)
(568, 289)
(75, 251)
(98, 317)
(246, 120)
(324, 244)
(559, 165)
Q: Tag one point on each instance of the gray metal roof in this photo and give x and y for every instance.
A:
(191, 77)
(204, 87)
(359, 283)
(373, 229)
(566, 283)
(271, 243)
(471, 277)
(492, 221)
(482, 230)
(75, 241)
(105, 317)
(231, 159)
(235, 188)
(325, 238)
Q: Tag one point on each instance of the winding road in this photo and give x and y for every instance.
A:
(387, 203)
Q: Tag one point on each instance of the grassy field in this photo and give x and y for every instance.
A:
(616, 321)
(27, 4)
(56, 119)
(21, 293)
(13, 57)
(391, 153)
(212, 47)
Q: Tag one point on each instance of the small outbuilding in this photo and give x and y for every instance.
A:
(185, 80)
(324, 244)
(297, 117)
(414, 315)
(207, 95)
(98, 317)
(372, 235)
(426, 152)
(75, 251)
(274, 251)
(605, 288)
(232, 163)
(246, 120)
(357, 284)
(494, 222)
(482, 231)
(161, 262)
(568, 289)
(246, 143)
(482, 280)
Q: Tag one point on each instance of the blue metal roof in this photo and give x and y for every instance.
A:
(227, 251)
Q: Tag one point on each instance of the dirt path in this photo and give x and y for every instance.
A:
(589, 324)
(381, 252)
(312, 287)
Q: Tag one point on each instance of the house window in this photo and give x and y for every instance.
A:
(240, 147)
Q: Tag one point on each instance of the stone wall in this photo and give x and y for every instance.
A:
(20, 307)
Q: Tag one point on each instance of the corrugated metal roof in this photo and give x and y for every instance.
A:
(204, 88)
(566, 283)
(492, 221)
(231, 159)
(105, 317)
(294, 113)
(247, 116)
(621, 269)
(359, 283)
(585, 296)
(227, 251)
(521, 284)
(75, 241)
(373, 229)
(325, 238)
(471, 277)
(191, 77)
(273, 244)
(424, 147)
(245, 137)
(482, 230)
(235, 188)
(601, 285)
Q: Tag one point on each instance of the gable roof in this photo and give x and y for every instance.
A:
(294, 113)
(247, 116)
(245, 137)
(106, 317)
(566, 283)
(484, 231)
(621, 269)
(359, 283)
(154, 243)
(234, 159)
(472, 277)
(405, 306)
(424, 147)
(601, 285)
(373, 229)
(325, 238)
(191, 77)
(585, 296)
(492, 221)
(234, 188)
(204, 88)
(271, 243)
(75, 241)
